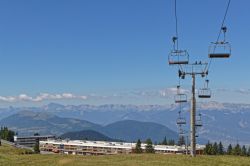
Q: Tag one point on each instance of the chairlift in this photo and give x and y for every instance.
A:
(220, 49)
(205, 92)
(182, 132)
(198, 121)
(180, 97)
(180, 120)
(176, 56)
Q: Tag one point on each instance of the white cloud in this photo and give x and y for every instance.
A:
(41, 97)
(24, 97)
(172, 91)
(7, 99)
(68, 95)
(243, 91)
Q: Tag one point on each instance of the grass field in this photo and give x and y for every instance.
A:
(13, 156)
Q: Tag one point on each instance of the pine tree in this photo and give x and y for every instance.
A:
(220, 149)
(138, 148)
(7, 134)
(36, 147)
(248, 151)
(243, 151)
(171, 142)
(208, 149)
(229, 149)
(236, 150)
(149, 147)
(165, 142)
(215, 149)
(36, 134)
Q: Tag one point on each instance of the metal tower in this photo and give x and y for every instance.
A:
(177, 57)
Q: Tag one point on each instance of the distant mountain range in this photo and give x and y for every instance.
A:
(28, 123)
(86, 135)
(221, 121)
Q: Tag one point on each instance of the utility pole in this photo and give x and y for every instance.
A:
(193, 119)
(197, 68)
(181, 58)
(186, 145)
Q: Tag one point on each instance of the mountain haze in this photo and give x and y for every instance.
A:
(28, 123)
(225, 122)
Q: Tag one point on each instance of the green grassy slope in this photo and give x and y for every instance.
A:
(12, 156)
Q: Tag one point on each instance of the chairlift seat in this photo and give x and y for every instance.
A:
(219, 55)
(180, 98)
(198, 124)
(181, 121)
(198, 121)
(182, 132)
(178, 57)
(205, 96)
(178, 62)
(204, 93)
(219, 50)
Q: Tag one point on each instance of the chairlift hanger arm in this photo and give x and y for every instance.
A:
(203, 72)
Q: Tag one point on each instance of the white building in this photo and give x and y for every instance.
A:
(82, 147)
(30, 141)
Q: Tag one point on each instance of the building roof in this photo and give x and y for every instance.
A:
(36, 136)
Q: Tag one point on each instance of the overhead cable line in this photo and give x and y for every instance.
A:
(222, 29)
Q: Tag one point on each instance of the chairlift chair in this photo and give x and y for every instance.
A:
(181, 132)
(205, 92)
(180, 97)
(180, 120)
(220, 49)
(177, 56)
(198, 121)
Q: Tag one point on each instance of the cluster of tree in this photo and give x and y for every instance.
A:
(7, 134)
(218, 149)
(149, 148)
(167, 142)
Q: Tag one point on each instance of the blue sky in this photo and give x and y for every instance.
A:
(105, 48)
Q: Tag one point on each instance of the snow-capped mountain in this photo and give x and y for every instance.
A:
(221, 121)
